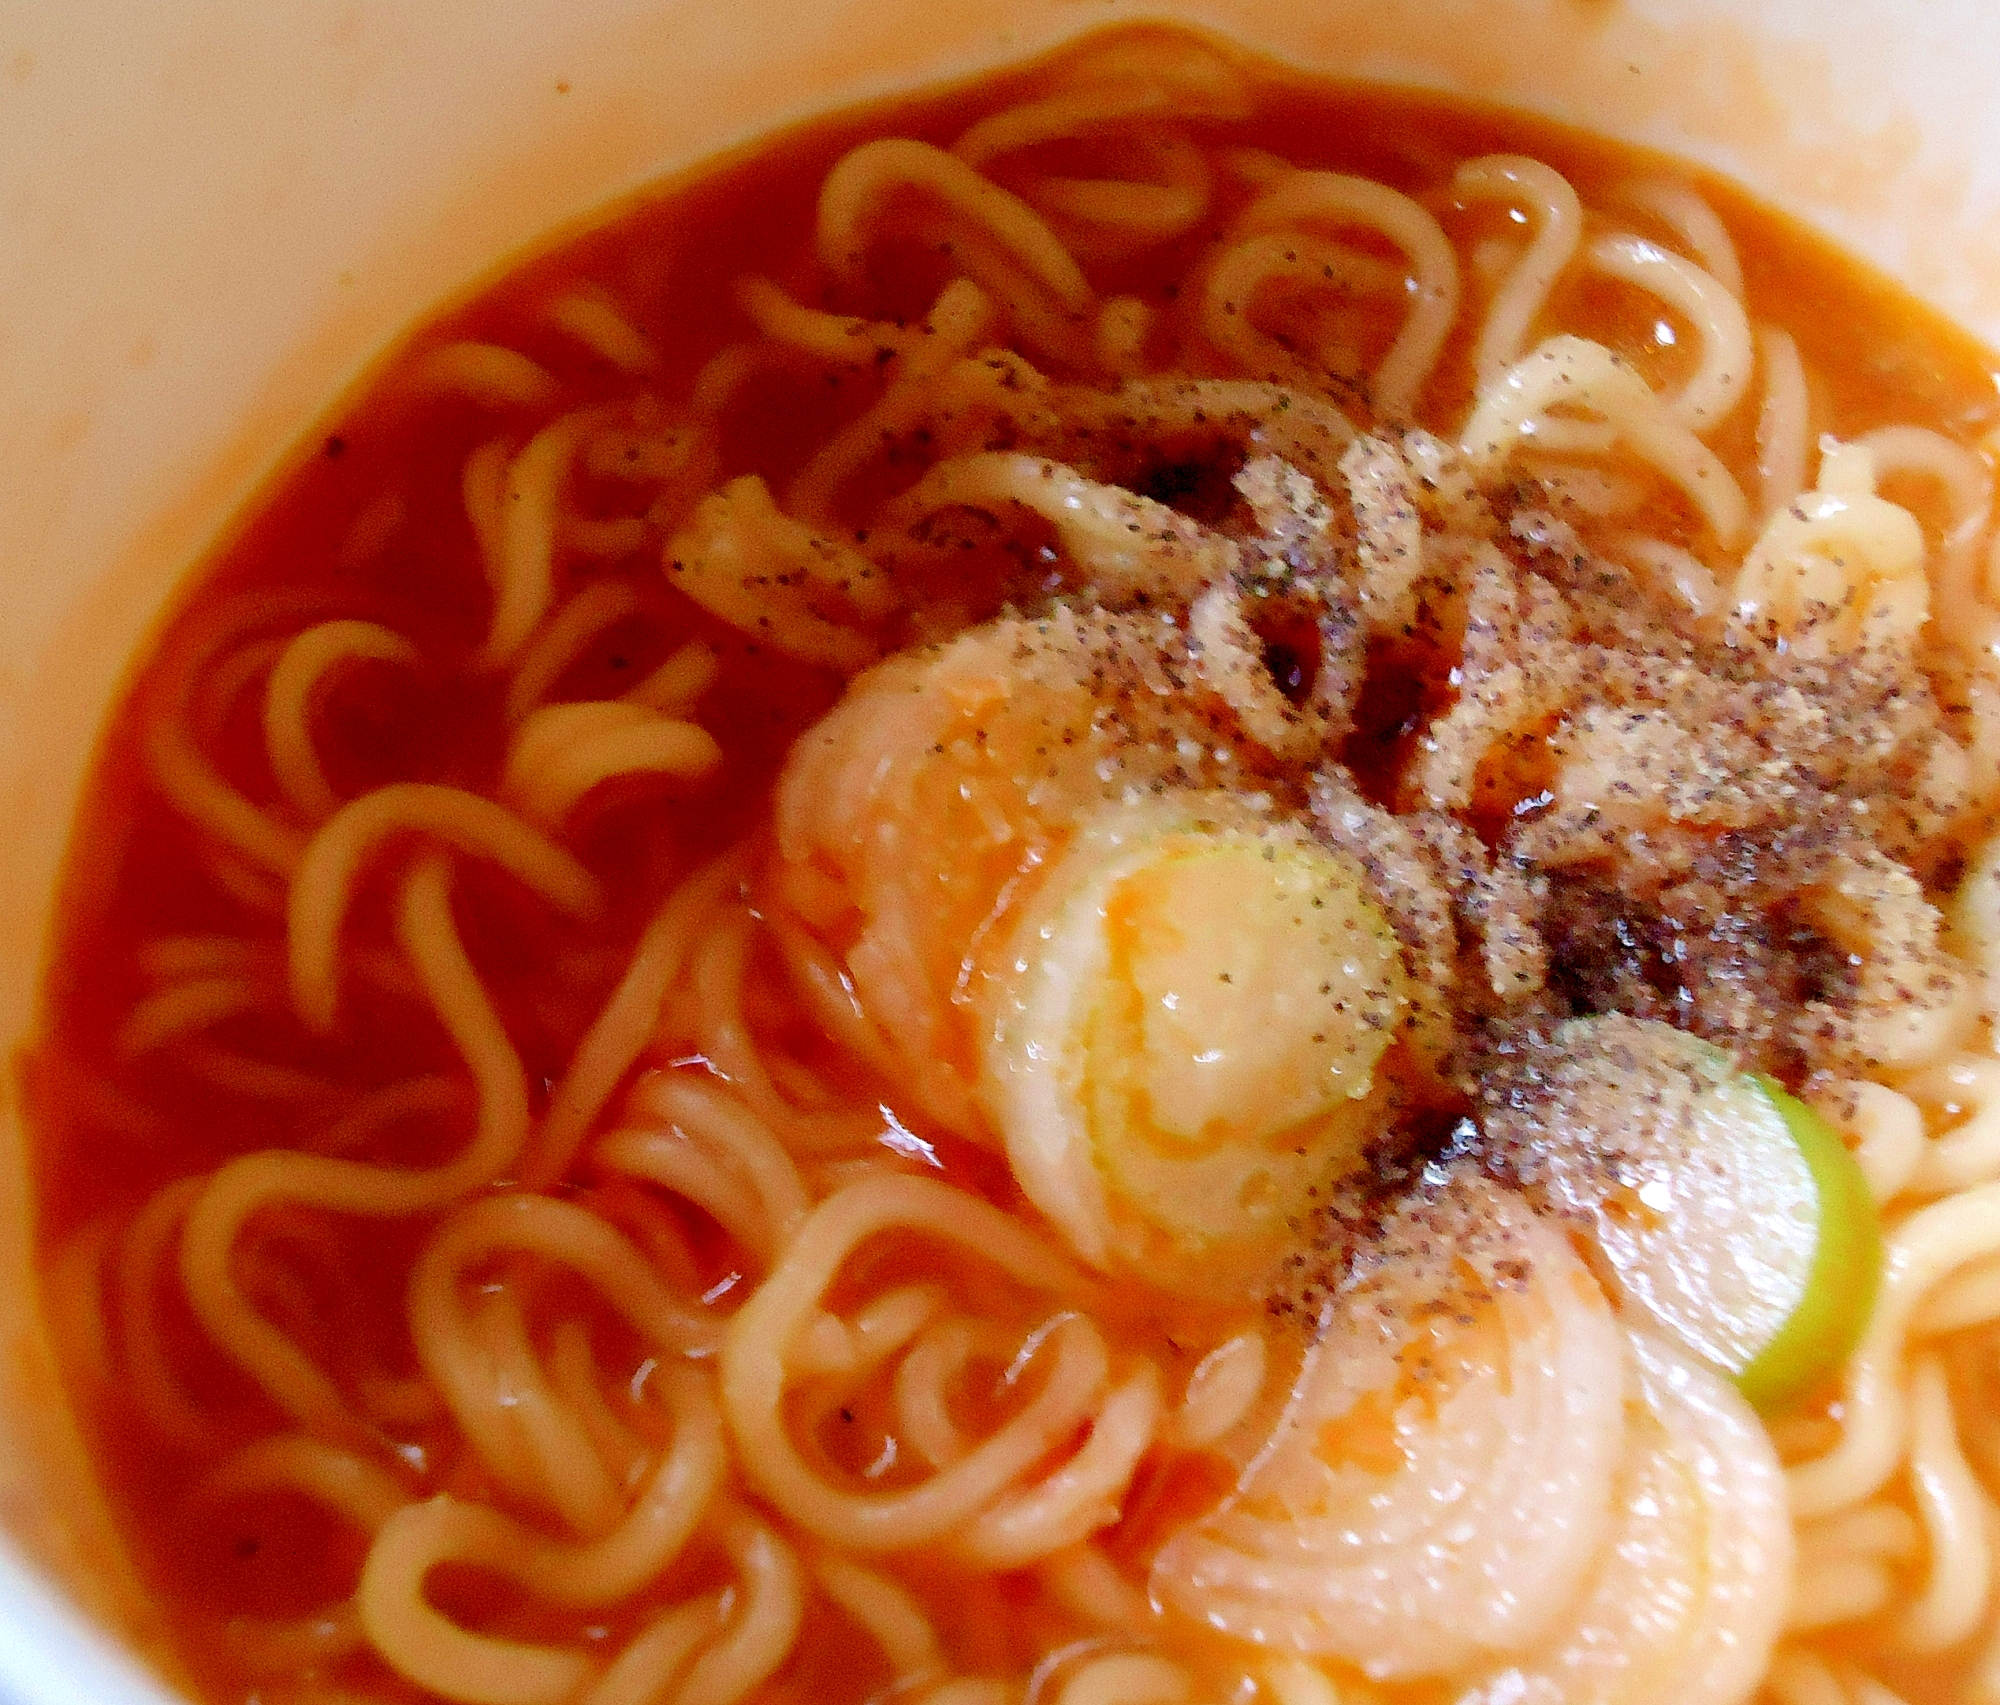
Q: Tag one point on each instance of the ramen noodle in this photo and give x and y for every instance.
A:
(1152, 884)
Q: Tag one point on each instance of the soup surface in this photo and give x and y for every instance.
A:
(1152, 883)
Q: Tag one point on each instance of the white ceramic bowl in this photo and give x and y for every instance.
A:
(213, 213)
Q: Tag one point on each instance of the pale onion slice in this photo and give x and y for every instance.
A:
(1441, 1480)
(1723, 1208)
(1182, 1041)
(1690, 1594)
